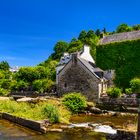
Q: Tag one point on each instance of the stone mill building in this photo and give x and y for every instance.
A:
(77, 72)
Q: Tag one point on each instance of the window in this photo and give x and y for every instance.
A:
(65, 85)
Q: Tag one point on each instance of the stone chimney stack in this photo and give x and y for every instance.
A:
(86, 54)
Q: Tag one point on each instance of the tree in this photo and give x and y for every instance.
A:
(104, 30)
(82, 35)
(59, 48)
(90, 34)
(43, 85)
(91, 39)
(27, 74)
(123, 28)
(4, 65)
(136, 27)
(98, 32)
(73, 39)
(75, 46)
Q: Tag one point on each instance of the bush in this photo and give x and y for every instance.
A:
(4, 92)
(52, 113)
(128, 91)
(5, 83)
(43, 85)
(114, 92)
(75, 102)
(135, 85)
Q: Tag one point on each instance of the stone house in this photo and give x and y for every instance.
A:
(77, 72)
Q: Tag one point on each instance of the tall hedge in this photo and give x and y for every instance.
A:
(124, 57)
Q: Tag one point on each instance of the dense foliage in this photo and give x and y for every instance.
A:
(75, 102)
(4, 65)
(123, 57)
(114, 92)
(135, 85)
(126, 28)
(128, 91)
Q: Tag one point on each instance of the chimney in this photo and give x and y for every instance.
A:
(86, 49)
(86, 54)
(74, 57)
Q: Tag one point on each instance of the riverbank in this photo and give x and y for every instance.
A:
(30, 113)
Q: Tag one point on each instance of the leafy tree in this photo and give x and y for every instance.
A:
(75, 46)
(98, 32)
(82, 35)
(4, 92)
(4, 65)
(74, 39)
(28, 74)
(104, 30)
(19, 85)
(43, 85)
(123, 28)
(43, 72)
(59, 49)
(5, 83)
(136, 27)
(90, 34)
(2, 76)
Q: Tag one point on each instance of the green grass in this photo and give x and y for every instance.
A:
(35, 111)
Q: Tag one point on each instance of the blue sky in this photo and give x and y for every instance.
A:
(29, 29)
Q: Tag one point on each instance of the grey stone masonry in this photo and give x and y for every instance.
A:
(119, 37)
(77, 78)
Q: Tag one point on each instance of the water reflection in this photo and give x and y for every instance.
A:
(11, 131)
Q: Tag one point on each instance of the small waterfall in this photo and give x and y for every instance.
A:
(95, 127)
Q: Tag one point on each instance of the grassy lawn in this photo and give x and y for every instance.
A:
(50, 109)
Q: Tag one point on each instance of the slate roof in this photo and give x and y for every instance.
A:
(119, 37)
(92, 68)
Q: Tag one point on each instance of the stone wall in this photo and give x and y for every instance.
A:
(120, 37)
(133, 102)
(76, 78)
(34, 125)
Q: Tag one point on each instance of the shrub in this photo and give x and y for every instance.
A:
(135, 85)
(43, 85)
(75, 102)
(5, 83)
(128, 91)
(52, 113)
(114, 92)
(4, 92)
(19, 85)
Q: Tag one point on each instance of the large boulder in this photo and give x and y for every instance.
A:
(95, 110)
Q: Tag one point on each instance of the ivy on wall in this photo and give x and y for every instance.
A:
(124, 57)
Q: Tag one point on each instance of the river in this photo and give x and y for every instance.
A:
(11, 131)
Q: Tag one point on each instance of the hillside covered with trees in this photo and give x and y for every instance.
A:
(41, 78)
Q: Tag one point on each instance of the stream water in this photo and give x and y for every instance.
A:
(11, 131)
